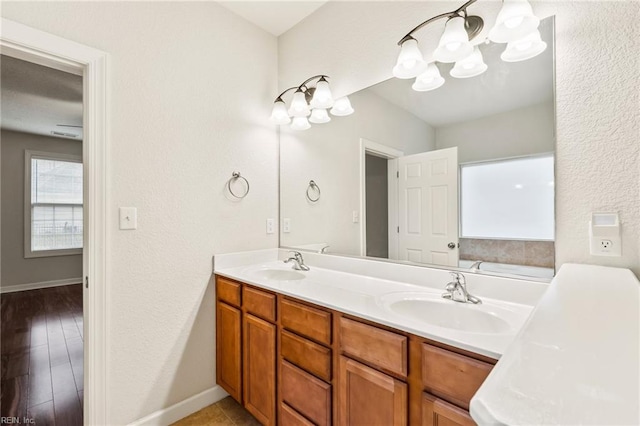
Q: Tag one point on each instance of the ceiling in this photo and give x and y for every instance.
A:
(503, 87)
(275, 17)
(41, 100)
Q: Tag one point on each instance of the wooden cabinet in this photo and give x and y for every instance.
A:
(292, 363)
(436, 412)
(369, 397)
(228, 349)
(259, 371)
(452, 376)
(308, 395)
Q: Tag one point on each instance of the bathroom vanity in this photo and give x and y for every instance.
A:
(326, 346)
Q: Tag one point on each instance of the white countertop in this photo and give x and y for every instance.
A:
(360, 295)
(576, 360)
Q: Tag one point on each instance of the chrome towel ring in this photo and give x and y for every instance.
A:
(313, 187)
(235, 176)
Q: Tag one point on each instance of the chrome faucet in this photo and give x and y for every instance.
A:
(457, 290)
(298, 261)
(475, 267)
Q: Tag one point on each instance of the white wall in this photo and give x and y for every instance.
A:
(516, 133)
(15, 268)
(597, 95)
(191, 90)
(329, 154)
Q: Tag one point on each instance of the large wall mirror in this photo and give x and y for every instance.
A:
(458, 177)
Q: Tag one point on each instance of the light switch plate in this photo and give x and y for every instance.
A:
(128, 218)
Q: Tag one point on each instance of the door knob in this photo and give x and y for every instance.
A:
(451, 245)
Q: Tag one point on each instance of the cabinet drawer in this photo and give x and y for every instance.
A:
(452, 376)
(228, 291)
(436, 412)
(259, 303)
(309, 356)
(308, 395)
(306, 321)
(290, 417)
(378, 347)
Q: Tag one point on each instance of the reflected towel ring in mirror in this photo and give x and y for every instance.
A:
(314, 188)
(235, 176)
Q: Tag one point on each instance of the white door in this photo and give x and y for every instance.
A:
(428, 207)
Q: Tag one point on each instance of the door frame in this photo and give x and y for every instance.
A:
(373, 148)
(32, 45)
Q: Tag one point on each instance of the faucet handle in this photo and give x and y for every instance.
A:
(457, 276)
(296, 254)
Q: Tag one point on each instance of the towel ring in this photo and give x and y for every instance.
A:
(235, 176)
(313, 186)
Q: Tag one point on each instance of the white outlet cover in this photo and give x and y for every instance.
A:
(270, 226)
(286, 225)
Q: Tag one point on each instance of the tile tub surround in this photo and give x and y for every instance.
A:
(515, 252)
(576, 361)
(353, 286)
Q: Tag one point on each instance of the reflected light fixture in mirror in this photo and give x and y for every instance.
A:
(515, 25)
(310, 101)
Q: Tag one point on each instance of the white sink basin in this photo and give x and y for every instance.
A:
(432, 309)
(277, 274)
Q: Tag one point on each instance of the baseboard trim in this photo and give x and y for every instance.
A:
(182, 409)
(42, 284)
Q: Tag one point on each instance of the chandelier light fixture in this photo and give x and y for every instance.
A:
(515, 25)
(309, 104)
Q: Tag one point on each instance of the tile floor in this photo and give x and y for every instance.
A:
(226, 412)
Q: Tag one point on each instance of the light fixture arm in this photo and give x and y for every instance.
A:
(458, 12)
(320, 77)
(279, 97)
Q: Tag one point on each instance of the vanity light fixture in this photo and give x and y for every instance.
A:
(309, 105)
(515, 25)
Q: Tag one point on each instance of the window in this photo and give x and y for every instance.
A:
(508, 199)
(53, 204)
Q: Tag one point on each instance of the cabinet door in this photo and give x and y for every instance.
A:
(368, 397)
(228, 350)
(259, 355)
(436, 412)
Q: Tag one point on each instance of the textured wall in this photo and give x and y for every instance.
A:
(15, 268)
(191, 91)
(597, 97)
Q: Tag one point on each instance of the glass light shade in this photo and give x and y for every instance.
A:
(300, 123)
(515, 20)
(322, 97)
(470, 66)
(428, 80)
(279, 114)
(525, 48)
(410, 62)
(342, 107)
(454, 44)
(299, 106)
(319, 116)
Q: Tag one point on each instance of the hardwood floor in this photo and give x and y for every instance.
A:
(42, 355)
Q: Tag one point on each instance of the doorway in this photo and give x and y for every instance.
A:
(32, 45)
(42, 243)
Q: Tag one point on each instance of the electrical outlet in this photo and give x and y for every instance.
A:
(606, 246)
(286, 225)
(270, 226)
(605, 237)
